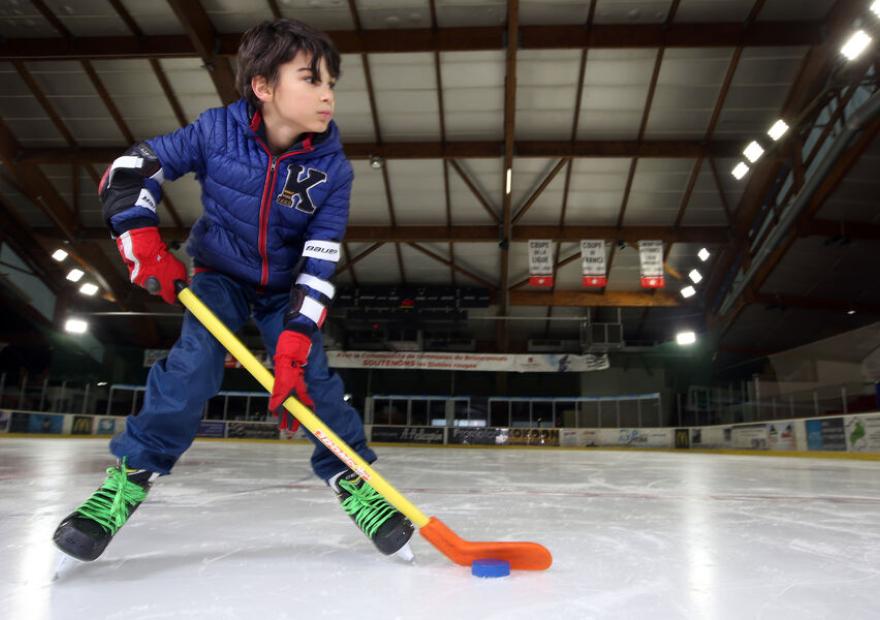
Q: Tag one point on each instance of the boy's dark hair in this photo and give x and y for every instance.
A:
(268, 45)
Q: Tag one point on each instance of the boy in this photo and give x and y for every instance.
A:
(275, 190)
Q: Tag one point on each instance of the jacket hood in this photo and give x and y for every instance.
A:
(319, 144)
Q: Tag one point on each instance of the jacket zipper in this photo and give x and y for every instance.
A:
(266, 207)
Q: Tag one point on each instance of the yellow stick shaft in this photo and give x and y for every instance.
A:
(308, 419)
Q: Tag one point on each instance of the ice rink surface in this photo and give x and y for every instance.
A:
(242, 530)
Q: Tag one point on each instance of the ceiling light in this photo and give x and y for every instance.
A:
(856, 44)
(876, 8)
(778, 129)
(376, 162)
(75, 275)
(704, 254)
(688, 291)
(685, 338)
(753, 151)
(852, 312)
(88, 289)
(76, 326)
(507, 183)
(740, 171)
(59, 255)
(695, 276)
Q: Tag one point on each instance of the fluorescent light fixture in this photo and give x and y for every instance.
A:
(59, 255)
(704, 254)
(740, 171)
(88, 289)
(876, 8)
(75, 275)
(856, 44)
(507, 184)
(688, 291)
(778, 129)
(685, 338)
(753, 151)
(695, 276)
(76, 326)
(101, 383)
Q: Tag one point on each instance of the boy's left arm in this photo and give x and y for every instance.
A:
(310, 298)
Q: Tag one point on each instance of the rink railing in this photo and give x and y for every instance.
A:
(623, 410)
(701, 406)
(101, 398)
(750, 402)
(858, 433)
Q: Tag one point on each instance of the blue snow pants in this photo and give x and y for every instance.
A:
(179, 386)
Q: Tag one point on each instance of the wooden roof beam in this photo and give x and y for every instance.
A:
(817, 65)
(441, 114)
(667, 149)
(583, 299)
(506, 221)
(41, 192)
(813, 303)
(841, 168)
(484, 234)
(377, 129)
(204, 42)
(839, 229)
(133, 27)
(579, 92)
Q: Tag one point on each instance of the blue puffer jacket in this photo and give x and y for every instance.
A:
(259, 209)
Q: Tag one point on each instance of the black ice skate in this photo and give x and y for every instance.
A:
(86, 532)
(386, 526)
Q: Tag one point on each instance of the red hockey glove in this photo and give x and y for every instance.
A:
(146, 256)
(291, 354)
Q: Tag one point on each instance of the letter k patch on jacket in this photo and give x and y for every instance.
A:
(297, 185)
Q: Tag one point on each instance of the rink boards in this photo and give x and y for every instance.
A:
(857, 433)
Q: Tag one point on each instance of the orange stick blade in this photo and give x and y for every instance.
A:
(521, 555)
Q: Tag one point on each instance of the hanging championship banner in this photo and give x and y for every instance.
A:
(593, 263)
(541, 262)
(651, 260)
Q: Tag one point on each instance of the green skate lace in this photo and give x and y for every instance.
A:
(111, 505)
(369, 509)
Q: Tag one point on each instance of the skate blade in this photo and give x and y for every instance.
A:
(404, 554)
(64, 562)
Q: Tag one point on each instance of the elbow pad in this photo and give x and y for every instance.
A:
(130, 189)
(304, 305)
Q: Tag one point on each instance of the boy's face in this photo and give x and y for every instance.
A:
(299, 99)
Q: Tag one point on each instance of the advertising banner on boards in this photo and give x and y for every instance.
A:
(482, 436)
(407, 434)
(251, 430)
(863, 433)
(533, 437)
(211, 428)
(82, 425)
(828, 434)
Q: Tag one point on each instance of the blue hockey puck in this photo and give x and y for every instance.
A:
(490, 568)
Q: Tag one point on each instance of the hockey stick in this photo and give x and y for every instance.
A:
(521, 555)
